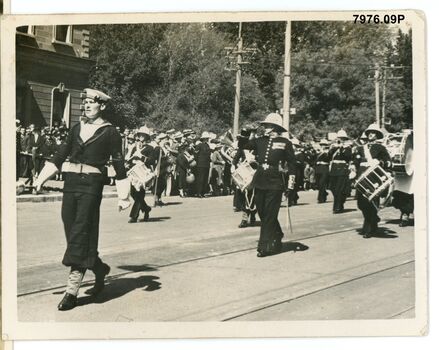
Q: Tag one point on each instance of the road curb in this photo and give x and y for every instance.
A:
(53, 197)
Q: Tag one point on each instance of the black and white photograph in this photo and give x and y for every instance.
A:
(214, 175)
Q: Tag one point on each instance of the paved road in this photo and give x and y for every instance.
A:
(192, 263)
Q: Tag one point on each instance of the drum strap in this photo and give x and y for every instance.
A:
(367, 154)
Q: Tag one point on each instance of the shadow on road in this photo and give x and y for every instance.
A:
(118, 287)
(397, 221)
(348, 210)
(382, 232)
(158, 218)
(165, 204)
(137, 268)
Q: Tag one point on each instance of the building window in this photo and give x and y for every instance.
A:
(62, 34)
(28, 30)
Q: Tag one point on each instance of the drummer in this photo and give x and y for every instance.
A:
(141, 153)
(244, 200)
(273, 154)
(370, 154)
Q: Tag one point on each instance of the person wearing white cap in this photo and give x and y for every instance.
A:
(340, 156)
(275, 157)
(369, 154)
(202, 157)
(89, 146)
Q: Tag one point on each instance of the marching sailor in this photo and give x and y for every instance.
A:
(245, 200)
(370, 154)
(89, 146)
(340, 155)
(141, 153)
(273, 154)
(322, 171)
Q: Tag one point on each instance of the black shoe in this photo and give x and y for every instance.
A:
(404, 220)
(99, 280)
(367, 235)
(132, 220)
(146, 215)
(68, 302)
(243, 224)
(261, 254)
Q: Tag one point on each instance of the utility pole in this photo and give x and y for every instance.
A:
(239, 51)
(377, 94)
(383, 112)
(287, 77)
(384, 82)
(238, 83)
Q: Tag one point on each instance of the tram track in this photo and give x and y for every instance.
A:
(186, 261)
(326, 288)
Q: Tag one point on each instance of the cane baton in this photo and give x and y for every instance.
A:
(289, 224)
(287, 192)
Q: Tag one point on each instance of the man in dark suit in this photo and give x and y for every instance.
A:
(202, 157)
(89, 146)
(35, 145)
(275, 157)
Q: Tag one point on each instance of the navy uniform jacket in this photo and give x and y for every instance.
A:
(322, 163)
(339, 158)
(377, 151)
(275, 156)
(149, 155)
(96, 152)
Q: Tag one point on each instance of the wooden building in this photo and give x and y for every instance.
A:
(52, 69)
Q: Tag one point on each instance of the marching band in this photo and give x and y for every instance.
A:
(265, 164)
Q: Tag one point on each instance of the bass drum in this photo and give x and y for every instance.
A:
(402, 158)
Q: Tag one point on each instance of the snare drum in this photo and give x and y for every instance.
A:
(373, 181)
(141, 176)
(243, 176)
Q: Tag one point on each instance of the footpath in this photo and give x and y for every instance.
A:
(52, 192)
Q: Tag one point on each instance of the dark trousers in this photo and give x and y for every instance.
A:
(161, 185)
(322, 186)
(80, 215)
(202, 178)
(338, 188)
(139, 202)
(268, 204)
(370, 212)
(181, 179)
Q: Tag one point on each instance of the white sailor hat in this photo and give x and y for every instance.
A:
(177, 135)
(96, 95)
(205, 135)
